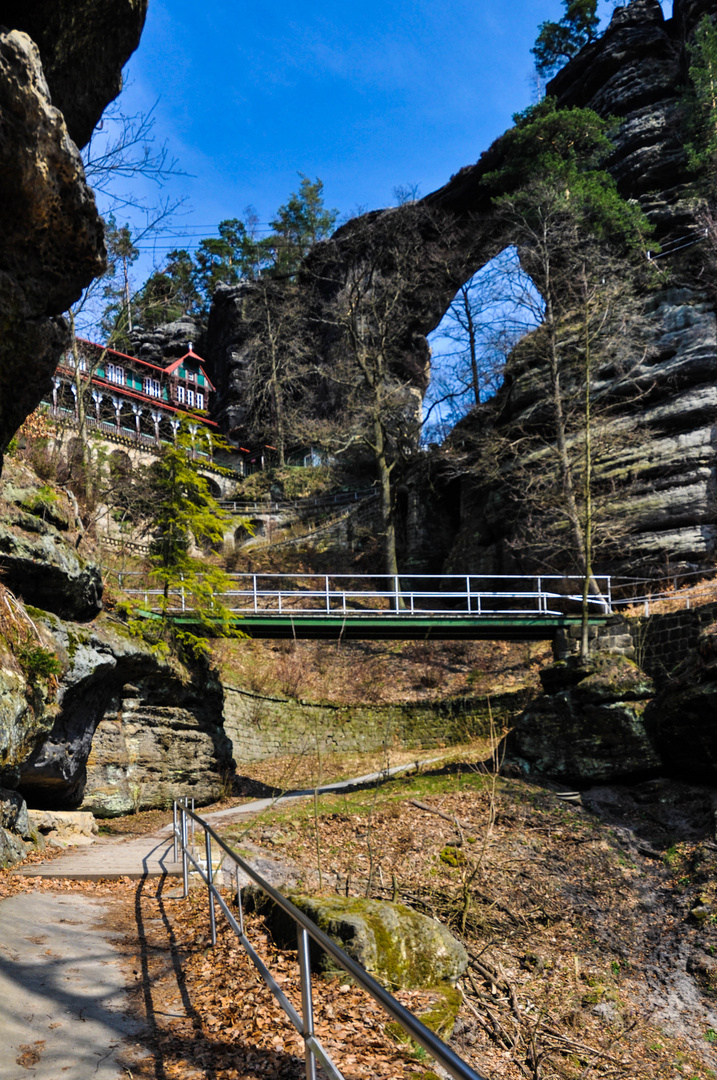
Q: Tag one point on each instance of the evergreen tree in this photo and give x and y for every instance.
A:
(169, 293)
(298, 225)
(235, 255)
(185, 513)
(558, 42)
(702, 101)
(117, 319)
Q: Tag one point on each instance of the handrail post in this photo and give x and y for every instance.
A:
(542, 600)
(468, 593)
(395, 595)
(174, 829)
(307, 1008)
(185, 861)
(212, 916)
(239, 900)
(328, 602)
(254, 581)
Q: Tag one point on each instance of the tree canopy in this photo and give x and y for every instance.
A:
(702, 98)
(186, 283)
(568, 146)
(558, 42)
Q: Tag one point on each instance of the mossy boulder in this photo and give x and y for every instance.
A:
(401, 948)
(438, 1009)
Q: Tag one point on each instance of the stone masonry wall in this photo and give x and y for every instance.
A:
(663, 641)
(261, 727)
(657, 643)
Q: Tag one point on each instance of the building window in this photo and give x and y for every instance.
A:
(190, 398)
(152, 388)
(115, 374)
(181, 395)
(200, 399)
(191, 376)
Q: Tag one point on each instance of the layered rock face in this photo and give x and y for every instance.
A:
(637, 71)
(51, 236)
(167, 342)
(89, 714)
(587, 728)
(663, 458)
(124, 728)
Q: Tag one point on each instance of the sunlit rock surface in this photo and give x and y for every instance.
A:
(54, 55)
(665, 476)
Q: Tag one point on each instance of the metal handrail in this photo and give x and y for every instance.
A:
(310, 503)
(333, 599)
(304, 1024)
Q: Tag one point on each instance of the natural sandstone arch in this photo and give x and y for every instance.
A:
(635, 71)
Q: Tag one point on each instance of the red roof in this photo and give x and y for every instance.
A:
(145, 363)
(191, 355)
(124, 356)
(105, 383)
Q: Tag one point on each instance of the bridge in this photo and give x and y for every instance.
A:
(391, 607)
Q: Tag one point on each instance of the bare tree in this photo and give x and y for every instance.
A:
(569, 379)
(377, 361)
(279, 341)
(486, 318)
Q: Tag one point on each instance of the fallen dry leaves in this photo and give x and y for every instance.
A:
(577, 943)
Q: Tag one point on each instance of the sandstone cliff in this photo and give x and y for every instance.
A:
(637, 71)
(90, 715)
(60, 64)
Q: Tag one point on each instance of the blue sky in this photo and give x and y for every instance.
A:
(365, 96)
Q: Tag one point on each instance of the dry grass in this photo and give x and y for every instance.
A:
(565, 925)
(365, 672)
(674, 598)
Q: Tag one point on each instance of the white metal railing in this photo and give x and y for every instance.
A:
(340, 595)
(302, 1021)
(286, 505)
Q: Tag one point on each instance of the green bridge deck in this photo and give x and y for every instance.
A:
(404, 627)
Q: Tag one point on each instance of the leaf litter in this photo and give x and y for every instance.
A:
(587, 959)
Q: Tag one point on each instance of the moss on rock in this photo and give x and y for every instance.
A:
(398, 946)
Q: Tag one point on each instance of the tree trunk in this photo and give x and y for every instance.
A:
(470, 324)
(388, 523)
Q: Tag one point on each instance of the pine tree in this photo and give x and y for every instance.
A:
(302, 222)
(558, 42)
(187, 514)
(702, 102)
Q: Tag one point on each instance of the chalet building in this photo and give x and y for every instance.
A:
(133, 399)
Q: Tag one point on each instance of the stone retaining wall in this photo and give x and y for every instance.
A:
(657, 643)
(261, 727)
(663, 641)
